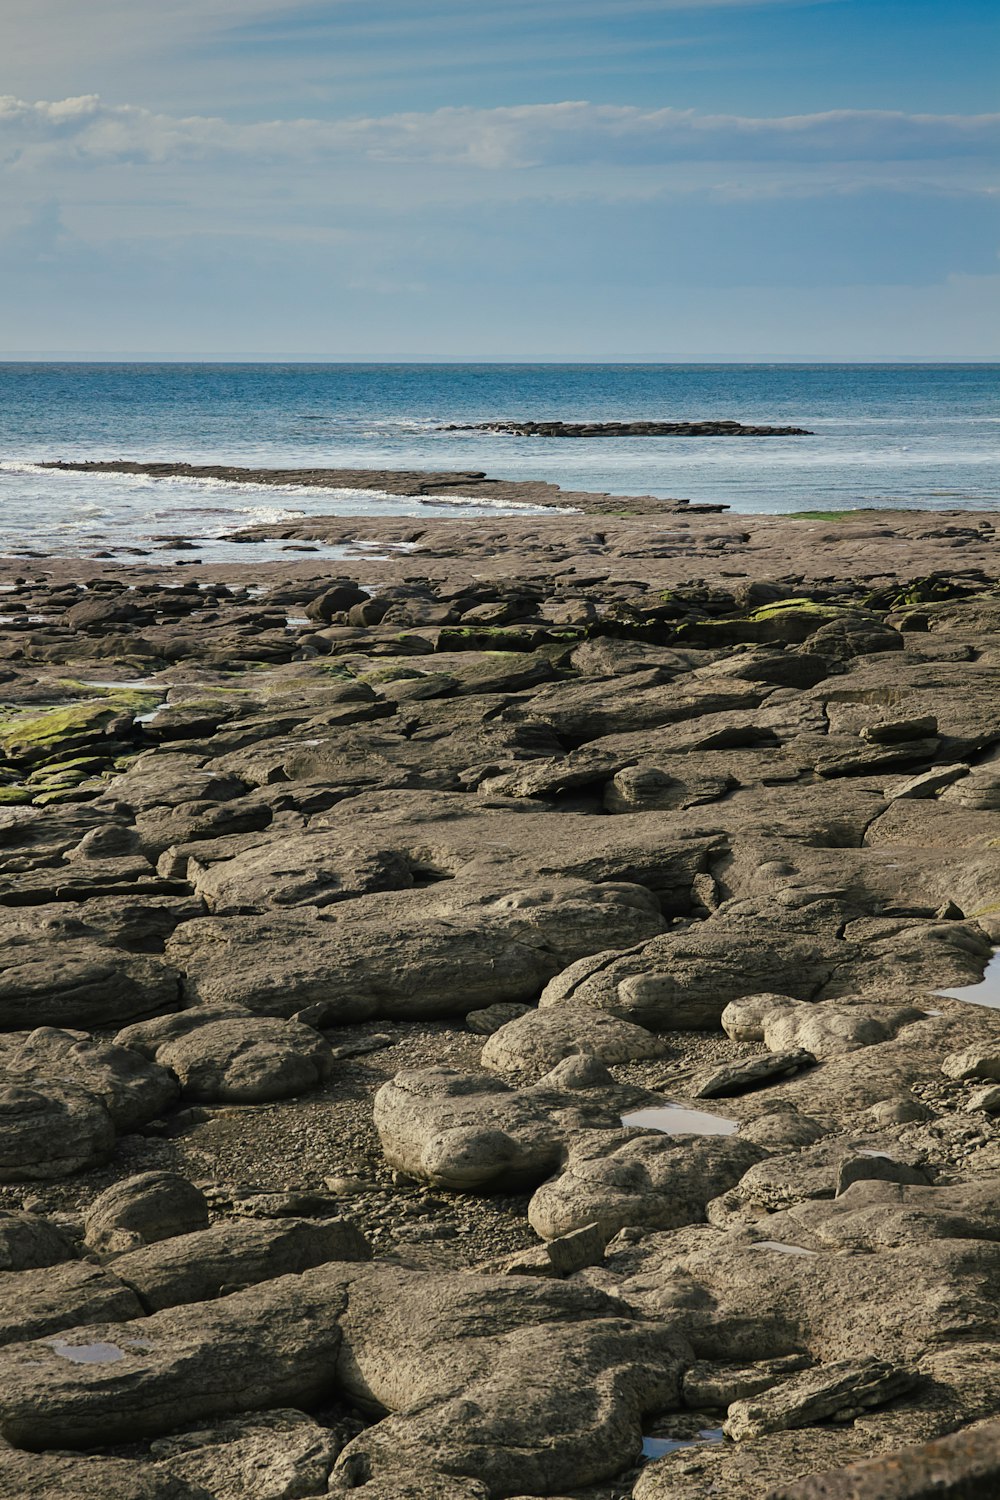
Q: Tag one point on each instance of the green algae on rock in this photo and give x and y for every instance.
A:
(58, 732)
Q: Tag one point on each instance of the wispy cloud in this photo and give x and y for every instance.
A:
(178, 49)
(568, 133)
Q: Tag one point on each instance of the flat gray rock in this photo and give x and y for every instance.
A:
(837, 1392)
(52, 1298)
(119, 1381)
(455, 947)
(737, 1078)
(963, 1464)
(83, 984)
(277, 1455)
(45, 1476)
(233, 1254)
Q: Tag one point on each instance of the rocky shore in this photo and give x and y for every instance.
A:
(509, 1017)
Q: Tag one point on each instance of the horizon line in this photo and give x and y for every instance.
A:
(131, 356)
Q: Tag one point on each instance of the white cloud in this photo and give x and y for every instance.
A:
(569, 133)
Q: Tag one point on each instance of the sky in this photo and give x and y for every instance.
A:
(534, 179)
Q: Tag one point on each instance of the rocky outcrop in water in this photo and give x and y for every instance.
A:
(629, 429)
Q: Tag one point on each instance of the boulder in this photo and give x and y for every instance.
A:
(650, 1181)
(520, 1383)
(647, 788)
(873, 1214)
(527, 1048)
(587, 709)
(132, 1089)
(468, 1131)
(685, 980)
(28, 1240)
(142, 1210)
(308, 869)
(972, 1063)
(853, 636)
(194, 822)
(826, 1029)
(490, 1019)
(50, 1130)
(556, 1406)
(229, 1055)
(818, 1171)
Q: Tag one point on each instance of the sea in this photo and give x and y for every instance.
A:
(883, 437)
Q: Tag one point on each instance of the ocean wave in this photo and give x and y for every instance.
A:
(20, 466)
(207, 483)
(213, 484)
(458, 501)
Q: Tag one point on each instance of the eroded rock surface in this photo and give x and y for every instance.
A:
(712, 870)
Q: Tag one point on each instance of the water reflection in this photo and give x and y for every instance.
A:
(674, 1119)
(986, 992)
(87, 1354)
(656, 1447)
(781, 1249)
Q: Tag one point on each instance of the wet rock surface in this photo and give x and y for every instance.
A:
(469, 1017)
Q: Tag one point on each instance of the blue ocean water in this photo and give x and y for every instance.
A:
(923, 436)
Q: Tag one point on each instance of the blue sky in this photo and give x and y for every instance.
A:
(537, 180)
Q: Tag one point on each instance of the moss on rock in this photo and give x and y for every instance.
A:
(56, 733)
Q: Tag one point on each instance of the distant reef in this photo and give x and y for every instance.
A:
(626, 429)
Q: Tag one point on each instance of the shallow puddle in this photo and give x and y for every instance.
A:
(673, 1119)
(135, 685)
(87, 1354)
(986, 992)
(656, 1447)
(781, 1249)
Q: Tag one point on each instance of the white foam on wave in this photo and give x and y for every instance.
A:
(458, 501)
(273, 513)
(212, 483)
(19, 466)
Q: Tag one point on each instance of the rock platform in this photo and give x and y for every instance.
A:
(512, 1016)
